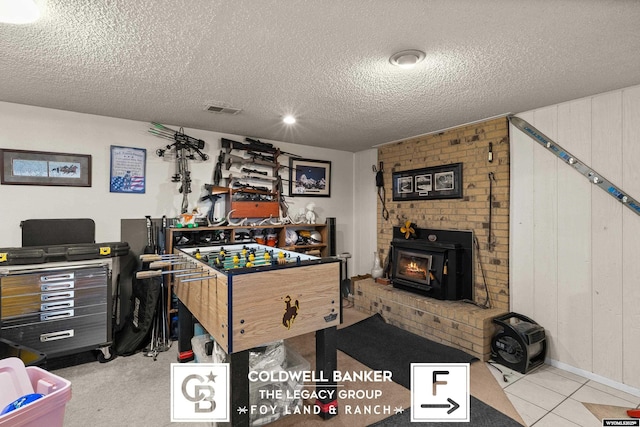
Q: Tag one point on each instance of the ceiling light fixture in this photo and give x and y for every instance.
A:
(407, 58)
(289, 119)
(18, 11)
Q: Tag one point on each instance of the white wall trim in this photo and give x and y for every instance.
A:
(594, 377)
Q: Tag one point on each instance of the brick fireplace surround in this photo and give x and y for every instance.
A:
(454, 323)
(458, 324)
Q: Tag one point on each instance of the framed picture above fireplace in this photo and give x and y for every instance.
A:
(437, 182)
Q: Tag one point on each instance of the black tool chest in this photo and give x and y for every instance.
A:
(57, 308)
(56, 291)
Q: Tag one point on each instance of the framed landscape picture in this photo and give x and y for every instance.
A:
(309, 178)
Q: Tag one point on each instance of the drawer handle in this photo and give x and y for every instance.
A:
(65, 276)
(57, 296)
(54, 336)
(56, 286)
(57, 315)
(56, 305)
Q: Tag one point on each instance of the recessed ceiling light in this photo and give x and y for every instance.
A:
(289, 119)
(18, 11)
(407, 58)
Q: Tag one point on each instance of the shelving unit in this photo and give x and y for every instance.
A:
(321, 228)
(199, 236)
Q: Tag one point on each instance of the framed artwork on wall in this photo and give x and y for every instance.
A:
(309, 178)
(23, 167)
(438, 182)
(128, 169)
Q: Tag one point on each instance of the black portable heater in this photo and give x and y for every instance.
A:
(519, 343)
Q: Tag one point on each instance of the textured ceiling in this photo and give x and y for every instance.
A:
(325, 61)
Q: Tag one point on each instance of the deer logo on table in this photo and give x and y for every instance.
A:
(290, 312)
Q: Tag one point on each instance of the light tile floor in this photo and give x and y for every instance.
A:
(549, 396)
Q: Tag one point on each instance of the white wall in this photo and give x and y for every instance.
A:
(574, 249)
(34, 128)
(364, 212)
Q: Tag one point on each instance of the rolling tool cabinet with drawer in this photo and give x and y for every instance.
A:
(57, 308)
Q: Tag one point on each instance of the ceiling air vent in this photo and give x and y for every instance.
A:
(221, 109)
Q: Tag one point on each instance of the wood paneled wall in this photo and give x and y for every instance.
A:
(574, 250)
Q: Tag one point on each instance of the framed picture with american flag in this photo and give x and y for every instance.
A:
(128, 170)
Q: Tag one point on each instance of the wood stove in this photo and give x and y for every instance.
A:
(436, 263)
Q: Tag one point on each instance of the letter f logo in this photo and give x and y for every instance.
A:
(435, 379)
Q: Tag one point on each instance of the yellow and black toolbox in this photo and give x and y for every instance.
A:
(59, 240)
(61, 253)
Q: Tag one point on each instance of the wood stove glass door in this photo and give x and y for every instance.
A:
(414, 266)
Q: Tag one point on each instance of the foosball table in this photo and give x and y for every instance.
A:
(247, 295)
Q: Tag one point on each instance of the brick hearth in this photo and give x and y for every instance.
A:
(454, 323)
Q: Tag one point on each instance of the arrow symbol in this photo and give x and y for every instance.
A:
(452, 404)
